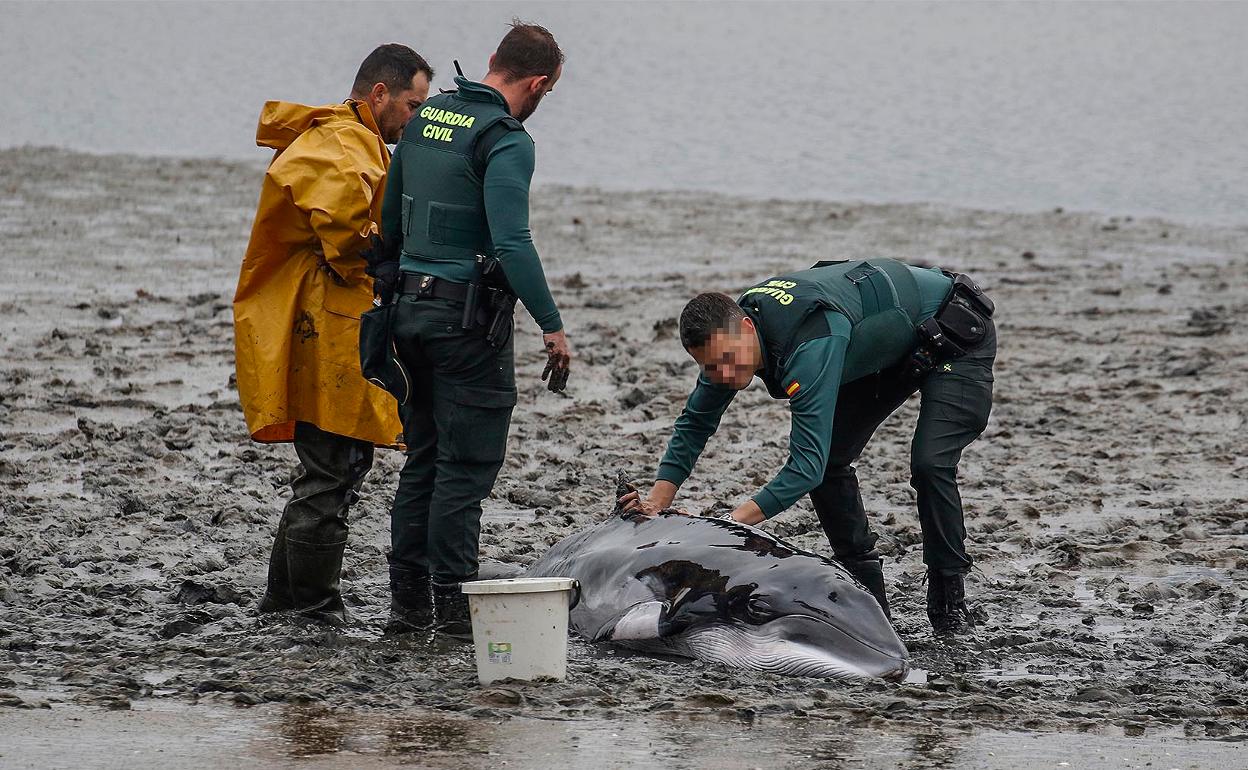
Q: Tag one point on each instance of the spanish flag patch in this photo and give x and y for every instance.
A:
(794, 386)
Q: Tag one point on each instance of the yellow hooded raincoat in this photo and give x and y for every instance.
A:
(302, 286)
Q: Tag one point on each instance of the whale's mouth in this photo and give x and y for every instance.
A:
(885, 641)
(797, 645)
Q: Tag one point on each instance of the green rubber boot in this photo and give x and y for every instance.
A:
(277, 596)
(315, 571)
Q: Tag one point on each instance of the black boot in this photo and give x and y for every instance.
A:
(868, 569)
(315, 569)
(946, 605)
(277, 594)
(411, 601)
(451, 608)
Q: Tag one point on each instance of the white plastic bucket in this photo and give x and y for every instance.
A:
(520, 627)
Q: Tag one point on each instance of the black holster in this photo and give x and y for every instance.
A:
(500, 325)
(960, 324)
(489, 303)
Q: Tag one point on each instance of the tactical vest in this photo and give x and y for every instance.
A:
(880, 298)
(443, 168)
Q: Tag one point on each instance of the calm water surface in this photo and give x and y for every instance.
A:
(1122, 108)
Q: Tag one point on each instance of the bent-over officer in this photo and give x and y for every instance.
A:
(846, 343)
(300, 294)
(457, 214)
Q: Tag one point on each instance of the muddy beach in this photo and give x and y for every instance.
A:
(1107, 503)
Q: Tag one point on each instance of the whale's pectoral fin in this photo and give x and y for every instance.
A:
(641, 621)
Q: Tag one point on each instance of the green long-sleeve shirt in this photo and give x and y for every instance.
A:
(508, 174)
(819, 365)
(507, 179)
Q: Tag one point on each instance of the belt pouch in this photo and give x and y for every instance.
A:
(379, 360)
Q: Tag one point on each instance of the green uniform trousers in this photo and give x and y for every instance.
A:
(955, 400)
(455, 427)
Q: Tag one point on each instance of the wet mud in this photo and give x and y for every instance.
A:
(1107, 503)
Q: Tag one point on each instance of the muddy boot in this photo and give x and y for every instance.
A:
(451, 608)
(868, 569)
(277, 594)
(946, 605)
(411, 601)
(315, 569)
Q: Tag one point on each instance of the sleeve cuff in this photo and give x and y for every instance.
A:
(768, 502)
(669, 472)
(551, 325)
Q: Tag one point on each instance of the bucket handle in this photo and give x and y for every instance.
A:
(576, 597)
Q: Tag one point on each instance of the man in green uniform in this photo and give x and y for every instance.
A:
(457, 205)
(847, 343)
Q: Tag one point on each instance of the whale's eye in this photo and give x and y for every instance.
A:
(832, 596)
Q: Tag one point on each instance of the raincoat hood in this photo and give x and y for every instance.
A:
(281, 123)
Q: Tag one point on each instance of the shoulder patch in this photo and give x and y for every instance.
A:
(794, 386)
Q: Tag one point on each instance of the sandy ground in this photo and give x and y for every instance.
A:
(1106, 503)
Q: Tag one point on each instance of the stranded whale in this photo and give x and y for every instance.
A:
(725, 592)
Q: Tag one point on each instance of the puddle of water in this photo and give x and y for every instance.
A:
(172, 735)
(507, 515)
(160, 676)
(1036, 672)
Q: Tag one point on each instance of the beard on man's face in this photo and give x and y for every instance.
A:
(529, 106)
(391, 125)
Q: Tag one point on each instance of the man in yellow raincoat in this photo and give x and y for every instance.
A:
(296, 315)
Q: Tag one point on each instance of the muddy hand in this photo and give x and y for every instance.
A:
(558, 361)
(629, 501)
(633, 503)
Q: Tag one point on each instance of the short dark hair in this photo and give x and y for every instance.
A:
(706, 314)
(393, 64)
(527, 50)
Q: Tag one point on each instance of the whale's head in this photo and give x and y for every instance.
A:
(801, 615)
(841, 632)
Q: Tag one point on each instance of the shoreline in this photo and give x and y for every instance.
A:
(1110, 216)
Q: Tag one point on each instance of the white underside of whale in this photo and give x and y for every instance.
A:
(756, 648)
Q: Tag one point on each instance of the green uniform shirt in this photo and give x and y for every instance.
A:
(819, 366)
(505, 188)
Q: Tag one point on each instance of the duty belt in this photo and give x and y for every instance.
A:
(485, 307)
(432, 287)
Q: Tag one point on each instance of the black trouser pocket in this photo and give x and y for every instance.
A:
(480, 419)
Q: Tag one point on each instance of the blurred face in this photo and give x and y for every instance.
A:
(537, 88)
(731, 356)
(392, 110)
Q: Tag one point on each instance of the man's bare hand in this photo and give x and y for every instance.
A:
(633, 502)
(659, 500)
(558, 361)
(748, 513)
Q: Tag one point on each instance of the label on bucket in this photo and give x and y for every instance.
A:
(500, 652)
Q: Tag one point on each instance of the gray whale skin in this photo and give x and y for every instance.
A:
(723, 592)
